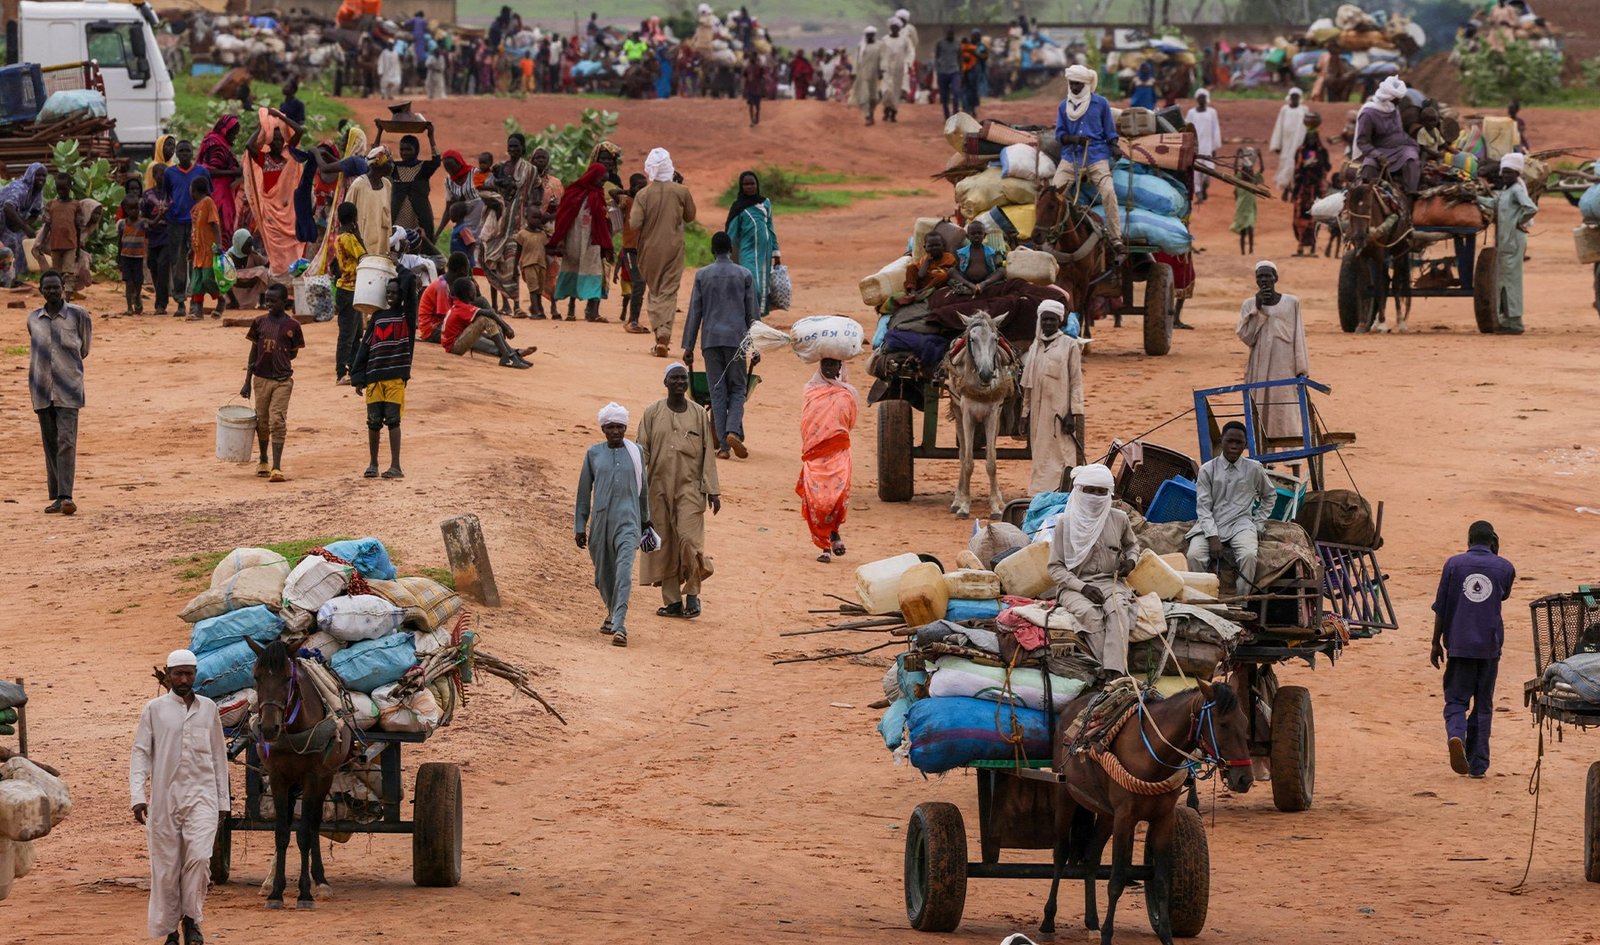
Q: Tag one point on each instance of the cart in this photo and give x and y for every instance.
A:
(1464, 271)
(1562, 624)
(1139, 264)
(1016, 811)
(910, 388)
(435, 827)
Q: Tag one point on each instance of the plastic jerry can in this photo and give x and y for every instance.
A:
(878, 583)
(923, 595)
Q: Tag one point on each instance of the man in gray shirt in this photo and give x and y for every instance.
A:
(1234, 499)
(58, 341)
(947, 64)
(722, 307)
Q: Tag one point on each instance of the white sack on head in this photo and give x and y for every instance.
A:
(813, 338)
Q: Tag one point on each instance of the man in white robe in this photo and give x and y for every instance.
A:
(1270, 323)
(897, 55)
(1052, 385)
(180, 755)
(1287, 136)
(1208, 139)
(868, 85)
(1091, 555)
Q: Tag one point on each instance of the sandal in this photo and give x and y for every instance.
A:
(620, 638)
(825, 558)
(263, 470)
(674, 609)
(371, 473)
(691, 608)
(606, 627)
(393, 472)
(634, 328)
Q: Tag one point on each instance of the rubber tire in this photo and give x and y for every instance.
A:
(896, 472)
(1158, 310)
(1191, 875)
(222, 856)
(436, 826)
(1351, 278)
(1591, 825)
(1294, 749)
(936, 867)
(1486, 292)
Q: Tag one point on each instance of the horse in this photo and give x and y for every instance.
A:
(980, 374)
(1381, 252)
(302, 744)
(1074, 236)
(1140, 778)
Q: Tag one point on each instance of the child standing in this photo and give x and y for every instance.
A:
(383, 366)
(206, 245)
(629, 275)
(132, 248)
(347, 252)
(59, 237)
(275, 338)
(1244, 201)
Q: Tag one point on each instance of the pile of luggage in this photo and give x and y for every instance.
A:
(1376, 45)
(343, 606)
(989, 654)
(33, 800)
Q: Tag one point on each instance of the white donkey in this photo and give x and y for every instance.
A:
(980, 374)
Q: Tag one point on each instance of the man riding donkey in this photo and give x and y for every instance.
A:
(1088, 137)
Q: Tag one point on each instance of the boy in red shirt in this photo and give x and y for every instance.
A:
(435, 302)
(469, 327)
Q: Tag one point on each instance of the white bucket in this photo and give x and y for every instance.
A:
(236, 433)
(302, 297)
(373, 274)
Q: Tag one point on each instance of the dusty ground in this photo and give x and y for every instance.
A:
(702, 791)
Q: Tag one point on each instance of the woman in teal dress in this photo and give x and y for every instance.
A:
(755, 242)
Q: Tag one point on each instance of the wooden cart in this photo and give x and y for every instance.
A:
(1562, 623)
(1016, 811)
(1464, 271)
(899, 446)
(435, 827)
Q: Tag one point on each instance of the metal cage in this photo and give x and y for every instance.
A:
(1559, 622)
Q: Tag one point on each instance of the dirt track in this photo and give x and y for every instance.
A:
(702, 791)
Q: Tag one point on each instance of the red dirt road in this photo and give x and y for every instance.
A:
(701, 791)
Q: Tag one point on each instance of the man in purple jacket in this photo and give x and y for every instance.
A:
(1467, 624)
(1088, 137)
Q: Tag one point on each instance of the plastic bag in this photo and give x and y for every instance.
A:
(780, 290)
(222, 269)
(362, 617)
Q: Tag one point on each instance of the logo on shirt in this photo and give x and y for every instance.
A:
(1477, 588)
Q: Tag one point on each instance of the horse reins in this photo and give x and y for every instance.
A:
(1196, 764)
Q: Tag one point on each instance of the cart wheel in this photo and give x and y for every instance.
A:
(1355, 278)
(1191, 875)
(895, 471)
(222, 854)
(1294, 749)
(1158, 310)
(1591, 826)
(936, 867)
(436, 827)
(1486, 292)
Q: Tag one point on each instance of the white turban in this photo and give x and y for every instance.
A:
(1389, 92)
(1078, 102)
(658, 165)
(870, 31)
(673, 367)
(1051, 305)
(1203, 93)
(1266, 264)
(613, 413)
(903, 15)
(1086, 514)
(179, 658)
(1514, 162)
(896, 21)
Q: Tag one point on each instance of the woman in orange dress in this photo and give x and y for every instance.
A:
(826, 419)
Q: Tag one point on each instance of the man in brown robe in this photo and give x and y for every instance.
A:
(681, 468)
(660, 213)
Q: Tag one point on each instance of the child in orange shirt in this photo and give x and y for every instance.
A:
(205, 245)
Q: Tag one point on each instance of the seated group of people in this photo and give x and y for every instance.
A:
(1094, 548)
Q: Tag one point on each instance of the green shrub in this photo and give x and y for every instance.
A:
(1520, 73)
(95, 181)
(570, 147)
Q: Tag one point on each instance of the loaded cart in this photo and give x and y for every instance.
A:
(1016, 811)
(1564, 691)
(435, 825)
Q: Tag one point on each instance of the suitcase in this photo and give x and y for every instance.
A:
(1003, 134)
(1136, 123)
(1172, 152)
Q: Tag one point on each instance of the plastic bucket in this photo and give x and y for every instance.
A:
(373, 274)
(236, 433)
(302, 297)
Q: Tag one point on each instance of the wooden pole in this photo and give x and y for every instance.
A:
(469, 559)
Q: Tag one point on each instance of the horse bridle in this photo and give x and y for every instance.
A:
(1205, 718)
(1199, 758)
(290, 714)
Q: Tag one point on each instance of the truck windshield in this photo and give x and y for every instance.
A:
(112, 46)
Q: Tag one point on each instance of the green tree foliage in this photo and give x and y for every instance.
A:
(570, 147)
(1520, 73)
(95, 181)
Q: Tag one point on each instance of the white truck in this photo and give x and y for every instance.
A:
(116, 36)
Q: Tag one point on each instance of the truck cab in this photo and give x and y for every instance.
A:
(117, 36)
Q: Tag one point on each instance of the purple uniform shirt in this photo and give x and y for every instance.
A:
(1473, 585)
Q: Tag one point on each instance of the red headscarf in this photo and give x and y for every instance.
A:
(466, 168)
(590, 189)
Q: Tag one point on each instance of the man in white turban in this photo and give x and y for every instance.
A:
(1091, 554)
(680, 459)
(1052, 390)
(660, 213)
(612, 519)
(1514, 210)
(898, 54)
(1208, 139)
(867, 87)
(1088, 137)
(1287, 136)
(1382, 144)
(179, 755)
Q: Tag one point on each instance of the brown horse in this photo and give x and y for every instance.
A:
(301, 744)
(1138, 779)
(1073, 235)
(1376, 222)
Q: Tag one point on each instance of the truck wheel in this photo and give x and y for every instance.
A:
(222, 855)
(1158, 310)
(1294, 749)
(1191, 875)
(936, 867)
(896, 476)
(1486, 292)
(436, 826)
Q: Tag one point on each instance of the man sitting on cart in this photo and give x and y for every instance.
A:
(1091, 555)
(1088, 137)
(1382, 142)
(1233, 499)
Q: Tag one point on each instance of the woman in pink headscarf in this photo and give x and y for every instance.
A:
(273, 169)
(216, 156)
